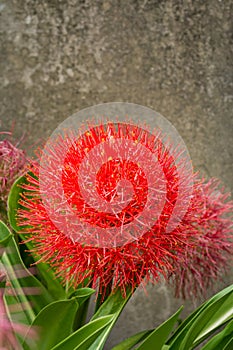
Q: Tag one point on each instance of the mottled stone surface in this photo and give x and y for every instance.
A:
(58, 57)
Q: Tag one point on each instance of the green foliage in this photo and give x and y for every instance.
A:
(222, 339)
(160, 335)
(132, 341)
(83, 338)
(113, 305)
(46, 274)
(83, 294)
(13, 204)
(20, 278)
(203, 322)
(196, 328)
(54, 323)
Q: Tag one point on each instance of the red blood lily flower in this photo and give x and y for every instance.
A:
(115, 206)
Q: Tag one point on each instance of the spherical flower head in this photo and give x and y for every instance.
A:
(113, 205)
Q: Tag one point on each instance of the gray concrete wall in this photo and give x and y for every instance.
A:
(58, 57)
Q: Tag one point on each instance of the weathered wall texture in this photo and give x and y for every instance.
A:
(174, 56)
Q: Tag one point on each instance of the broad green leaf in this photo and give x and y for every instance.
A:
(5, 235)
(85, 336)
(54, 323)
(13, 204)
(47, 275)
(128, 343)
(197, 316)
(114, 304)
(223, 313)
(21, 279)
(50, 281)
(157, 339)
(221, 339)
(229, 345)
(178, 335)
(211, 317)
(82, 294)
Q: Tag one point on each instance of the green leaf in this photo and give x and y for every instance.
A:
(203, 321)
(55, 323)
(85, 336)
(5, 234)
(229, 345)
(178, 335)
(222, 312)
(21, 279)
(220, 340)
(13, 199)
(159, 336)
(82, 294)
(47, 275)
(128, 343)
(211, 318)
(49, 279)
(113, 305)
